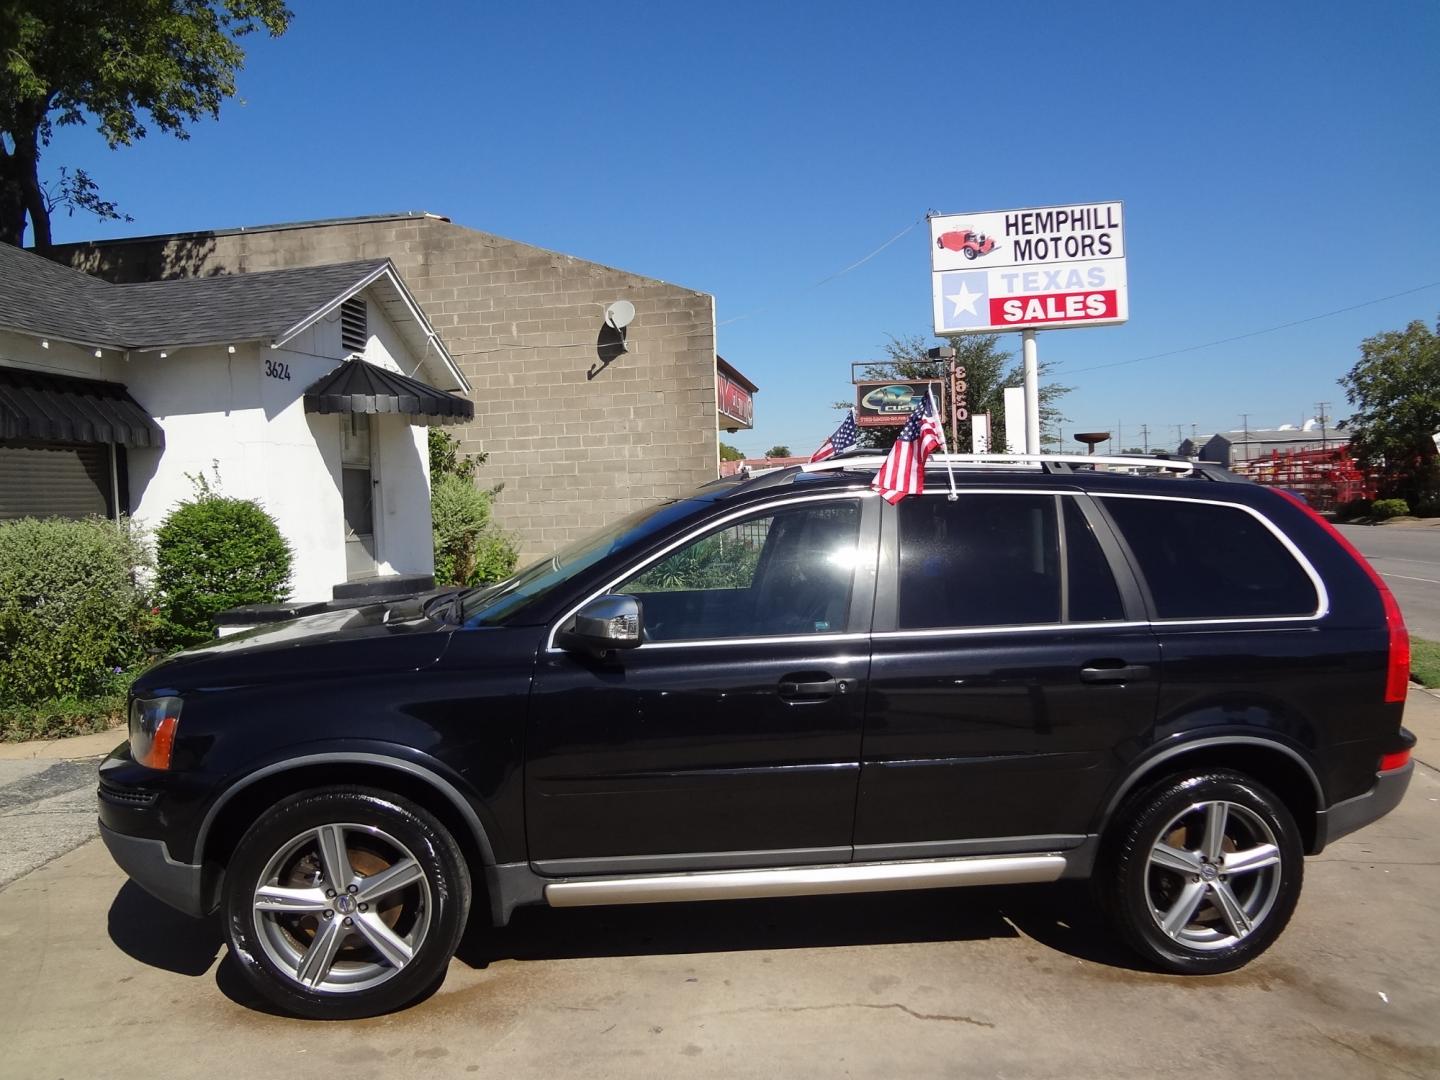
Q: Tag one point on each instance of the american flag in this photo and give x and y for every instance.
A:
(845, 438)
(904, 470)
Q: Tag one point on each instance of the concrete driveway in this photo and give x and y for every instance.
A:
(100, 980)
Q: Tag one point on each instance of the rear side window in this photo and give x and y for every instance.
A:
(983, 560)
(1204, 561)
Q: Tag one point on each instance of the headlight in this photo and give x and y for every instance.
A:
(153, 724)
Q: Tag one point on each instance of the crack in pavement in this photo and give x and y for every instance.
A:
(947, 1017)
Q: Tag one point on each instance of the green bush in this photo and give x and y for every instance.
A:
(61, 718)
(214, 553)
(74, 618)
(1428, 508)
(1355, 508)
(1389, 508)
(468, 550)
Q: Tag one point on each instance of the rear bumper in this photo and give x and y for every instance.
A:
(149, 865)
(1345, 817)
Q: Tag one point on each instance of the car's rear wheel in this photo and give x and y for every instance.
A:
(345, 902)
(1204, 872)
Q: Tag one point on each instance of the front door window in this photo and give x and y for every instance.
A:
(357, 494)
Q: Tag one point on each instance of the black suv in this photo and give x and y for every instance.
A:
(1157, 677)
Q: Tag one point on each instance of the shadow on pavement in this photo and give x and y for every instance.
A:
(1061, 917)
(156, 934)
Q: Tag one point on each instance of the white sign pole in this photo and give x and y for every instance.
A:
(1032, 393)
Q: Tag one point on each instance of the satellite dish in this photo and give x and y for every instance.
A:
(620, 314)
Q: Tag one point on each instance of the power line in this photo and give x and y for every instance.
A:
(1255, 333)
(831, 277)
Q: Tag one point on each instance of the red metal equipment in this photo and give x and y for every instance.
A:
(1327, 478)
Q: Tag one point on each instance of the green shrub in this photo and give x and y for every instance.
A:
(1428, 508)
(73, 616)
(1355, 508)
(468, 549)
(1389, 508)
(61, 718)
(214, 553)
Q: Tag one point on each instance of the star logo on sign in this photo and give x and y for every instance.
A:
(964, 300)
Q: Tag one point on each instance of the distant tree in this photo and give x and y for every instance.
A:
(988, 371)
(778, 451)
(1395, 389)
(107, 62)
(730, 453)
(1133, 450)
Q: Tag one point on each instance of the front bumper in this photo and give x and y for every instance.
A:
(181, 885)
(1346, 817)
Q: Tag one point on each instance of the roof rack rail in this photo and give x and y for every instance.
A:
(1047, 462)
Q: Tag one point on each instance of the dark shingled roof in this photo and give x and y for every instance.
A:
(41, 297)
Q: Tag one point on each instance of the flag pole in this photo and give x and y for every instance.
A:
(944, 444)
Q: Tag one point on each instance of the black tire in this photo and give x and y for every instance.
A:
(970, 253)
(1234, 916)
(423, 904)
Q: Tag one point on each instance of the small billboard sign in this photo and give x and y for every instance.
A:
(883, 403)
(1034, 269)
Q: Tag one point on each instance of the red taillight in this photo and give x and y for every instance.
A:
(1397, 674)
(1397, 760)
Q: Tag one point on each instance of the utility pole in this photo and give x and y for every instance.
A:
(1322, 406)
(1118, 443)
(1145, 437)
(1179, 435)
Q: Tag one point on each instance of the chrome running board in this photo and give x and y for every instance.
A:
(807, 880)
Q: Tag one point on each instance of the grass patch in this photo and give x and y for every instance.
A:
(58, 719)
(1425, 662)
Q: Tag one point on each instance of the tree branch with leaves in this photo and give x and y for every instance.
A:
(117, 65)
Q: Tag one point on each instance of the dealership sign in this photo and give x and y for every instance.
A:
(1029, 269)
(734, 401)
(880, 404)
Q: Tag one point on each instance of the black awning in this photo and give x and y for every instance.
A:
(360, 387)
(41, 407)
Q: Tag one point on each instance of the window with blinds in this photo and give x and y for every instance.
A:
(354, 327)
(54, 480)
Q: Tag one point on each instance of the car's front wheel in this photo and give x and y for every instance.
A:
(345, 902)
(1203, 873)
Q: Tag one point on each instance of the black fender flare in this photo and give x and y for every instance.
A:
(416, 770)
(1149, 766)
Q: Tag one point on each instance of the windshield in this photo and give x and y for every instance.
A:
(506, 600)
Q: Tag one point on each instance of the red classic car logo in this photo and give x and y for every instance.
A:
(967, 241)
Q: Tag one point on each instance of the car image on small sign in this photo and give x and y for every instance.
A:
(1050, 267)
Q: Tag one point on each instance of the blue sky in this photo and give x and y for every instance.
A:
(1276, 162)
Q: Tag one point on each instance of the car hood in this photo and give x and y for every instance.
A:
(368, 639)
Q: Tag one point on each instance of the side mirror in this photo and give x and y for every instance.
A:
(612, 621)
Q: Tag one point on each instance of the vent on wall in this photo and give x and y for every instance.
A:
(354, 332)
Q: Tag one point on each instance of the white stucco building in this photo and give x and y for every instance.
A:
(306, 389)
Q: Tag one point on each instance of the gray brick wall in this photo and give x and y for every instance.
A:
(575, 441)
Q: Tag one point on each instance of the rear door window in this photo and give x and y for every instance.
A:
(983, 560)
(1207, 561)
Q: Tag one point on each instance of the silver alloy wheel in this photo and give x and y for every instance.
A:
(342, 908)
(1213, 875)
